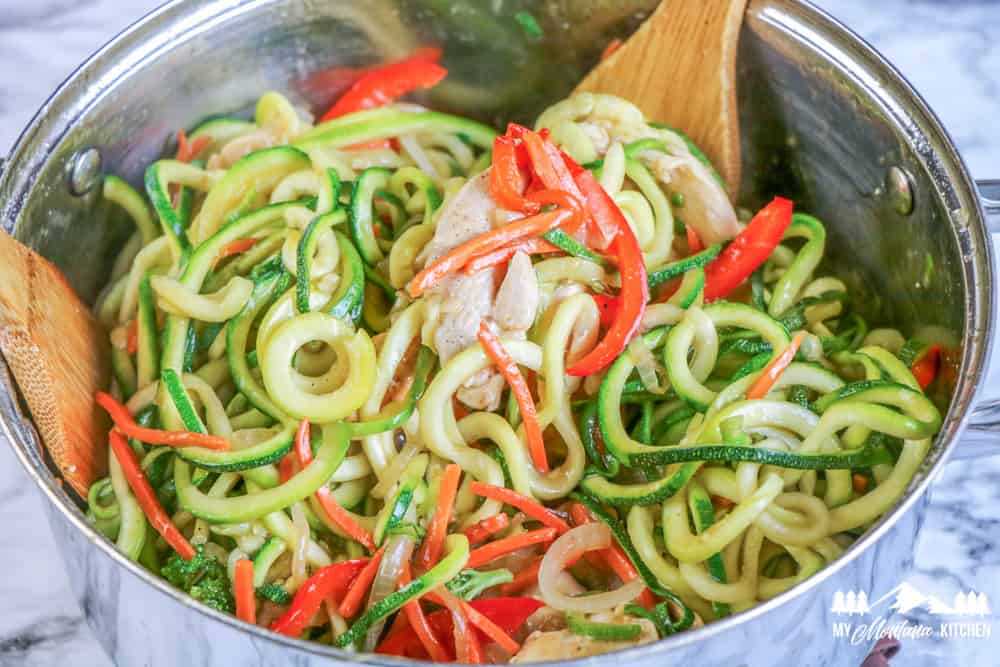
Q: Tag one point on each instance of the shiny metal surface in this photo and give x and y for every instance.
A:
(823, 118)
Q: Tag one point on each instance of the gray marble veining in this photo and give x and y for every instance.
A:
(947, 49)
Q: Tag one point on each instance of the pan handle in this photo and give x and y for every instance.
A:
(982, 436)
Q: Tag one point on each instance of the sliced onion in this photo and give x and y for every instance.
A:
(579, 540)
(398, 550)
(460, 624)
(299, 573)
(645, 364)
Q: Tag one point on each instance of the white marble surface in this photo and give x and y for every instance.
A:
(947, 48)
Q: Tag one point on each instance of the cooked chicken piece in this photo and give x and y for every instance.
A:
(517, 299)
(467, 301)
(465, 217)
(565, 645)
(482, 394)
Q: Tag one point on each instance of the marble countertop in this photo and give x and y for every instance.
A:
(948, 50)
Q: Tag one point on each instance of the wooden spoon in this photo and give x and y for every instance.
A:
(680, 68)
(58, 354)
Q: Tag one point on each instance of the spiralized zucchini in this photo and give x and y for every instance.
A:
(267, 284)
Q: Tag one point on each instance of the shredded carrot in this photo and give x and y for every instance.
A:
(722, 503)
(456, 258)
(694, 243)
(132, 337)
(522, 580)
(187, 151)
(774, 369)
(243, 592)
(234, 248)
(478, 620)
(414, 613)
(512, 374)
(356, 593)
(459, 408)
(532, 246)
(489, 526)
(488, 552)
(430, 550)
(859, 482)
(286, 467)
(612, 46)
(125, 423)
(529, 506)
(340, 517)
(614, 556)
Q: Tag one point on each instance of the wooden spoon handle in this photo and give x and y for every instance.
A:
(57, 353)
(680, 68)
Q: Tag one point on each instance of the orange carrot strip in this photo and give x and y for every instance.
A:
(612, 46)
(534, 246)
(187, 151)
(859, 482)
(125, 423)
(614, 556)
(522, 580)
(456, 258)
(430, 550)
(491, 525)
(236, 247)
(508, 368)
(488, 552)
(476, 618)
(529, 506)
(774, 369)
(694, 243)
(246, 603)
(132, 337)
(414, 613)
(356, 593)
(146, 497)
(303, 447)
(339, 517)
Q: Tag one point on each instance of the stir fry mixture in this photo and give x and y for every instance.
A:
(398, 383)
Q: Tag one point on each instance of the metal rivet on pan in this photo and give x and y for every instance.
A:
(84, 171)
(899, 190)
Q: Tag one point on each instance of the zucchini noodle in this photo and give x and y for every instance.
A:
(732, 447)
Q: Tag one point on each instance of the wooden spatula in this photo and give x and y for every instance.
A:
(680, 68)
(58, 354)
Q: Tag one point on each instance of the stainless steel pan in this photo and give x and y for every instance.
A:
(825, 120)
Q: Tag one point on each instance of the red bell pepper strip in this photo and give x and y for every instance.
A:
(146, 497)
(512, 374)
(488, 527)
(337, 515)
(549, 166)
(330, 582)
(773, 371)
(749, 249)
(125, 423)
(508, 613)
(433, 544)
(458, 257)
(509, 177)
(634, 291)
(926, 367)
(385, 84)
(607, 308)
(243, 592)
(529, 506)
(352, 601)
